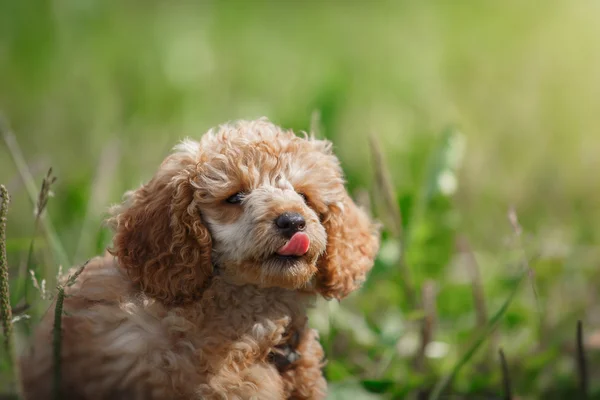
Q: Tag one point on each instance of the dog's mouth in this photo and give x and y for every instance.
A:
(280, 257)
(286, 261)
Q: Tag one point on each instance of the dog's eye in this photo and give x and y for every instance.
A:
(236, 198)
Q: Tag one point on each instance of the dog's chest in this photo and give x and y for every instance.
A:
(251, 317)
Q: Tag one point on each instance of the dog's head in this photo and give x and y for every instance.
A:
(259, 204)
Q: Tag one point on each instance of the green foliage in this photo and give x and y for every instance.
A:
(476, 107)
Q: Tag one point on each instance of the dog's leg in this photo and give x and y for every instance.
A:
(302, 375)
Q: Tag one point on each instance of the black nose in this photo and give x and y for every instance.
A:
(290, 223)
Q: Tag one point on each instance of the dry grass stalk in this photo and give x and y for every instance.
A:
(383, 182)
(42, 201)
(41, 288)
(57, 331)
(363, 200)
(385, 188)
(476, 283)
(315, 124)
(481, 312)
(518, 231)
(5, 307)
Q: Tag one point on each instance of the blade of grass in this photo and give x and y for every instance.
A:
(505, 376)
(491, 325)
(57, 331)
(58, 250)
(5, 307)
(581, 362)
(442, 165)
(518, 230)
(107, 165)
(315, 124)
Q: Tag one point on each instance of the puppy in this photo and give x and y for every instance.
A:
(214, 262)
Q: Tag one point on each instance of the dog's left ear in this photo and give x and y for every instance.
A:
(352, 244)
(160, 239)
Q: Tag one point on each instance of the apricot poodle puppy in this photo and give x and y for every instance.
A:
(213, 266)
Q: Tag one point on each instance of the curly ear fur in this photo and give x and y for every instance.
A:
(352, 244)
(160, 239)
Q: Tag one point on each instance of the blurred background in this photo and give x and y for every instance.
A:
(477, 108)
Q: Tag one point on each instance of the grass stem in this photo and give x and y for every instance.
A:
(42, 201)
(57, 332)
(5, 307)
(428, 324)
(383, 183)
(57, 343)
(581, 362)
(505, 376)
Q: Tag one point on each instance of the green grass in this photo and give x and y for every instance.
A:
(477, 107)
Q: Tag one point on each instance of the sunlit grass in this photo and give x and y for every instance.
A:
(473, 109)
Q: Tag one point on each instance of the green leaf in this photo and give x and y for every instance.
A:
(444, 163)
(336, 371)
(415, 315)
(377, 386)
(15, 245)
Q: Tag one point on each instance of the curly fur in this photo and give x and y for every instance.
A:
(191, 302)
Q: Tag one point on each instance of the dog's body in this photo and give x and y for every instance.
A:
(217, 259)
(120, 344)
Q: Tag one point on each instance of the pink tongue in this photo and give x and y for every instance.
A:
(297, 246)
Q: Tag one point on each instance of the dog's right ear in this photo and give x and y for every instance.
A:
(159, 236)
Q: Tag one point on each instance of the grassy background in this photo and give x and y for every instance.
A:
(478, 106)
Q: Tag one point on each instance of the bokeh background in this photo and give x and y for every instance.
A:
(477, 107)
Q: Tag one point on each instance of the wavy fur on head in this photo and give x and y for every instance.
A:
(194, 300)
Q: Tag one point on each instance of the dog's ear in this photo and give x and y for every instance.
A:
(352, 244)
(159, 236)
